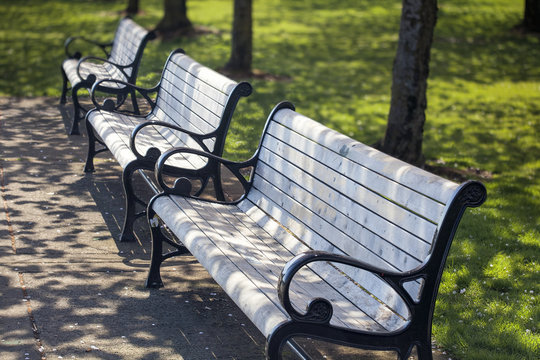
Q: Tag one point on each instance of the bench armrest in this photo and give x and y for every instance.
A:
(320, 310)
(133, 137)
(102, 60)
(109, 104)
(77, 54)
(182, 185)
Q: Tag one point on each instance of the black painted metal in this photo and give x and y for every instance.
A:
(128, 88)
(154, 276)
(88, 82)
(92, 151)
(77, 55)
(203, 174)
(315, 322)
(64, 86)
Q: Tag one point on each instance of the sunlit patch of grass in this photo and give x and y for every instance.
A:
(336, 56)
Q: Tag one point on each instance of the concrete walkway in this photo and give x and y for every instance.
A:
(69, 289)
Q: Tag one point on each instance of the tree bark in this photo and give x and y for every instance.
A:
(404, 132)
(531, 19)
(132, 7)
(175, 21)
(242, 38)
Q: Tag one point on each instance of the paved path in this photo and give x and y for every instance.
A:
(69, 290)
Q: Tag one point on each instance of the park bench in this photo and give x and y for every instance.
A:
(331, 239)
(193, 108)
(122, 63)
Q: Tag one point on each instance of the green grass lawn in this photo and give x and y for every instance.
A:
(483, 120)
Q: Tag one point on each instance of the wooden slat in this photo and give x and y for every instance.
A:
(185, 112)
(353, 209)
(296, 216)
(374, 308)
(159, 114)
(176, 113)
(119, 149)
(276, 257)
(351, 189)
(243, 290)
(253, 246)
(259, 260)
(419, 180)
(379, 310)
(205, 74)
(361, 243)
(127, 41)
(101, 71)
(317, 242)
(402, 195)
(179, 74)
(391, 244)
(189, 85)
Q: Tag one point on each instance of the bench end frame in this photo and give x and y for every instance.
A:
(417, 332)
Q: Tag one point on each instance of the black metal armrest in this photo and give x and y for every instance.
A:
(133, 138)
(109, 104)
(182, 185)
(102, 60)
(320, 310)
(77, 55)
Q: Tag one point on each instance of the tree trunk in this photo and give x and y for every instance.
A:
(175, 21)
(404, 132)
(531, 19)
(242, 38)
(132, 7)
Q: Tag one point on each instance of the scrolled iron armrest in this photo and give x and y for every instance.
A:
(86, 58)
(109, 104)
(155, 152)
(77, 55)
(320, 310)
(182, 185)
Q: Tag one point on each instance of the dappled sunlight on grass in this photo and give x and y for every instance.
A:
(334, 61)
(489, 124)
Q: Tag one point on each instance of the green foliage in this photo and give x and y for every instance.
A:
(336, 59)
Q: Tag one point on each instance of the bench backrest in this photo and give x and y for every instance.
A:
(197, 99)
(336, 194)
(129, 42)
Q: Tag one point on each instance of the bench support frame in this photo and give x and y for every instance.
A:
(154, 278)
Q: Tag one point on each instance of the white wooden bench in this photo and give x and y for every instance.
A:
(122, 63)
(193, 107)
(332, 239)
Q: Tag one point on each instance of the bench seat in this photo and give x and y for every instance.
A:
(331, 239)
(245, 251)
